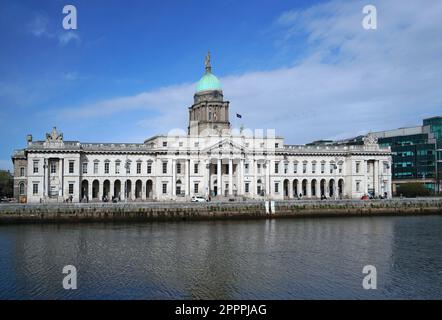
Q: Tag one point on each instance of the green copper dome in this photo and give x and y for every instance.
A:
(208, 82)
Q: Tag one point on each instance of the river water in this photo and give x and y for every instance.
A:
(318, 258)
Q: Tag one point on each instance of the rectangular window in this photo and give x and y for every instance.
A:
(276, 145)
(332, 167)
(22, 172)
(164, 144)
(53, 168)
(71, 166)
(178, 168)
(286, 168)
(276, 167)
(196, 144)
(71, 188)
(313, 167)
(247, 187)
(358, 186)
(358, 165)
(35, 163)
(117, 167)
(180, 143)
(95, 167)
(106, 167)
(246, 168)
(276, 187)
(295, 167)
(195, 188)
(164, 188)
(216, 169)
(164, 167)
(138, 167)
(128, 167)
(304, 167)
(259, 168)
(340, 168)
(35, 188)
(322, 167)
(195, 168)
(149, 167)
(84, 169)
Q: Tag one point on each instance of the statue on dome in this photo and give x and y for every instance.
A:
(207, 62)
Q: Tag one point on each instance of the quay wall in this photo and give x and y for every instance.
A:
(168, 211)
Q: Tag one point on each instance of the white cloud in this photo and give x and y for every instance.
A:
(67, 36)
(352, 81)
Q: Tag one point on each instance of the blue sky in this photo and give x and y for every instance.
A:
(306, 68)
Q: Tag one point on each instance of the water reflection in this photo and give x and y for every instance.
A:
(261, 259)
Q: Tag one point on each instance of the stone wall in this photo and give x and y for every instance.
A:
(88, 212)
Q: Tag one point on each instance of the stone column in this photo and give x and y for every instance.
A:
(290, 189)
(89, 189)
(143, 190)
(111, 189)
(173, 177)
(230, 177)
(267, 175)
(309, 189)
(187, 169)
(100, 190)
(376, 177)
(241, 177)
(219, 178)
(133, 185)
(60, 177)
(255, 178)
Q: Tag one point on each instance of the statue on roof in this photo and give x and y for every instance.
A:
(54, 136)
(207, 62)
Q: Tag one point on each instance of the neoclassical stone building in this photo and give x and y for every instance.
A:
(211, 159)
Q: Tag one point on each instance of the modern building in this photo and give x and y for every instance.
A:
(417, 153)
(211, 159)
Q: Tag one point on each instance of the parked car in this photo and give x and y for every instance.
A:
(198, 199)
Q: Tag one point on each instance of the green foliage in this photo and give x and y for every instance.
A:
(412, 189)
(6, 184)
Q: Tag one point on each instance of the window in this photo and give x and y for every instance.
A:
(314, 167)
(358, 186)
(195, 167)
(246, 168)
(164, 188)
(164, 167)
(340, 167)
(128, 167)
(247, 187)
(21, 188)
(358, 165)
(35, 188)
(276, 145)
(322, 167)
(164, 143)
(106, 167)
(259, 168)
(178, 168)
(195, 188)
(295, 167)
(35, 164)
(138, 167)
(262, 144)
(71, 166)
(216, 170)
(71, 188)
(276, 167)
(332, 167)
(196, 144)
(304, 167)
(22, 171)
(84, 169)
(95, 167)
(53, 168)
(180, 143)
(286, 168)
(117, 167)
(149, 167)
(276, 187)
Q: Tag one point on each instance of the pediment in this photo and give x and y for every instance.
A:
(225, 145)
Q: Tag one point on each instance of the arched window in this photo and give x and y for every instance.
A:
(21, 188)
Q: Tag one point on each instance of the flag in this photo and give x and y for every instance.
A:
(238, 115)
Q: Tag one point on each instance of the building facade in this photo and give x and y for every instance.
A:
(211, 160)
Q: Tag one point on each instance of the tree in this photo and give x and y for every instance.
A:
(412, 189)
(6, 184)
